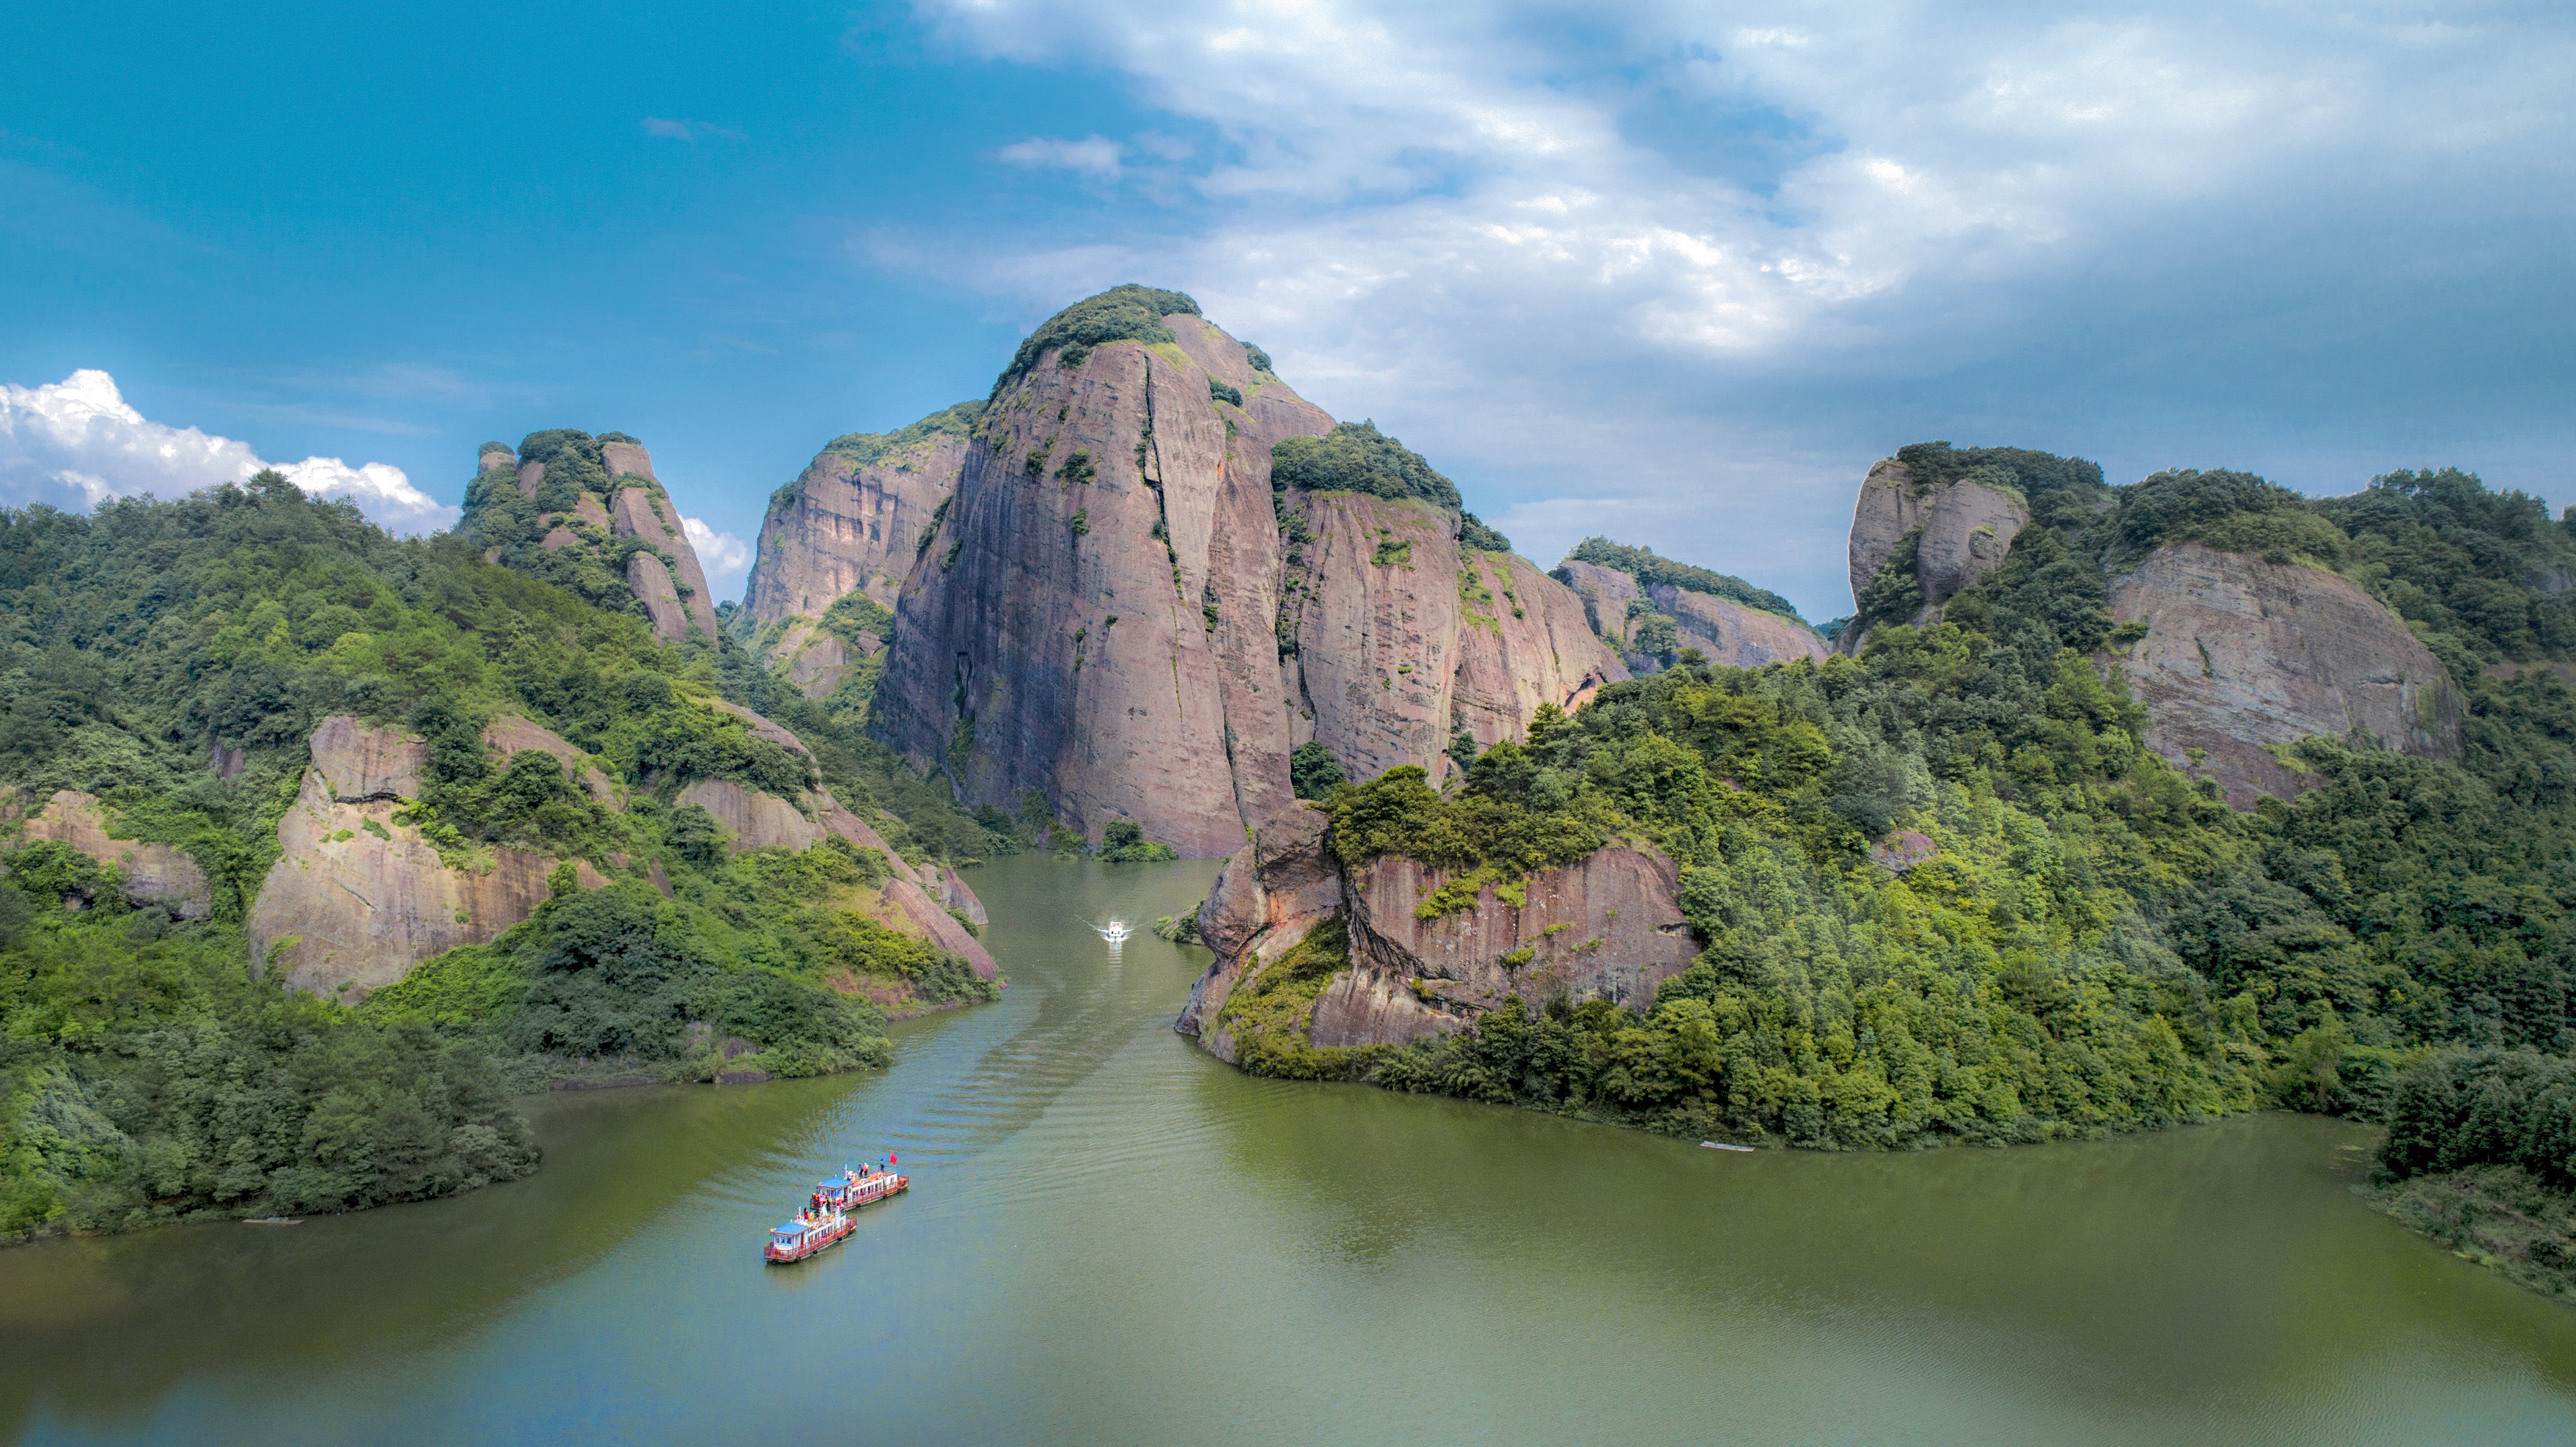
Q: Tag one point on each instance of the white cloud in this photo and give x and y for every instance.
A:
(76, 443)
(1504, 233)
(725, 557)
(674, 130)
(1092, 155)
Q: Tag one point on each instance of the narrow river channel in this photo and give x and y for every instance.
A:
(1112, 1238)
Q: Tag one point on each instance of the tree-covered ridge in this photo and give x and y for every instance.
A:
(1648, 569)
(1129, 313)
(2098, 941)
(867, 447)
(1356, 457)
(147, 1072)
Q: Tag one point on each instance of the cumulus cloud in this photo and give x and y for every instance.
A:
(76, 443)
(1092, 156)
(1765, 243)
(725, 557)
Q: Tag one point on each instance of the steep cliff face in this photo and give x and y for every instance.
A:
(2240, 653)
(852, 521)
(1108, 623)
(1096, 599)
(355, 899)
(1404, 639)
(1609, 927)
(1957, 532)
(1727, 632)
(607, 493)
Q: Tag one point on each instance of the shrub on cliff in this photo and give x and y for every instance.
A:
(864, 448)
(1128, 313)
(1124, 842)
(1472, 533)
(1356, 457)
(1312, 770)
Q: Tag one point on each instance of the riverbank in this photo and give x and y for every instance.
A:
(1114, 1238)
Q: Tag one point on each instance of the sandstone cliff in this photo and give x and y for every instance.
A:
(913, 901)
(617, 498)
(355, 899)
(1727, 632)
(2240, 653)
(1609, 927)
(852, 521)
(1108, 623)
(1956, 533)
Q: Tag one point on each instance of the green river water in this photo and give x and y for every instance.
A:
(1112, 1238)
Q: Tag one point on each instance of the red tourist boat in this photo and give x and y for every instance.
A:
(826, 1219)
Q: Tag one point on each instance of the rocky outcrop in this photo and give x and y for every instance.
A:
(674, 594)
(1268, 895)
(815, 659)
(1609, 927)
(2241, 655)
(359, 764)
(1961, 530)
(509, 734)
(751, 819)
(1108, 617)
(1727, 632)
(156, 875)
(846, 525)
(917, 899)
(356, 899)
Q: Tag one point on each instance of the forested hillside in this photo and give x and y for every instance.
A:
(1946, 891)
(166, 662)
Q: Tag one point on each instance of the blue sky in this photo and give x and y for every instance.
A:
(1677, 273)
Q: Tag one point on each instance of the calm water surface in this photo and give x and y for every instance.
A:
(1112, 1238)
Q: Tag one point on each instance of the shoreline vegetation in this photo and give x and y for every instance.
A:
(167, 662)
(2090, 940)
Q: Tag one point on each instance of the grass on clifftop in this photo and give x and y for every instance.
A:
(1648, 569)
(1356, 457)
(1128, 313)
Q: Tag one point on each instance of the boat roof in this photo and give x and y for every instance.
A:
(791, 1226)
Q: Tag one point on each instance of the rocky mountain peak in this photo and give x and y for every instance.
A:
(1162, 570)
(589, 513)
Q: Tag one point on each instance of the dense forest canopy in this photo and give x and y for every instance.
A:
(2097, 941)
(148, 1071)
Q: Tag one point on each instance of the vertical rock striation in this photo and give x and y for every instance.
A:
(1108, 623)
(852, 521)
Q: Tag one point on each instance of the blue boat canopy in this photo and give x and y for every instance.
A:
(791, 1228)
